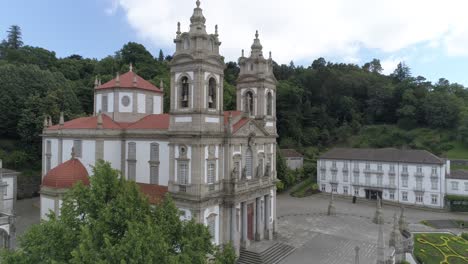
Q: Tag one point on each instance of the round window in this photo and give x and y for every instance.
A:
(125, 101)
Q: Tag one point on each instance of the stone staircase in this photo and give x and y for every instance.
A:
(271, 255)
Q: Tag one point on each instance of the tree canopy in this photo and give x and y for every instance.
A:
(111, 221)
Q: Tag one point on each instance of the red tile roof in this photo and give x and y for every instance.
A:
(290, 153)
(152, 122)
(240, 123)
(126, 80)
(154, 192)
(89, 123)
(66, 175)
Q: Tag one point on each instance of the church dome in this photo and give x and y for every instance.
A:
(66, 175)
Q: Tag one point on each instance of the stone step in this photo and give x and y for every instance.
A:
(271, 255)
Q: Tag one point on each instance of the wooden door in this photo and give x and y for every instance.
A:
(250, 214)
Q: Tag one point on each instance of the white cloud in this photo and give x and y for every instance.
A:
(306, 29)
(389, 64)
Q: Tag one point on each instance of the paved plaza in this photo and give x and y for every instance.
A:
(319, 238)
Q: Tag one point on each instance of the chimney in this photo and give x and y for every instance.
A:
(61, 120)
(99, 120)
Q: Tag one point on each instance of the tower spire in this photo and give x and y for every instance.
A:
(257, 47)
(197, 21)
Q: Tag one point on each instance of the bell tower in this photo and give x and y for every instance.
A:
(197, 73)
(256, 87)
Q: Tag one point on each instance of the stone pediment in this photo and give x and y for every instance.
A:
(251, 127)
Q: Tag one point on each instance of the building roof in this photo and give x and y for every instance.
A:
(154, 192)
(66, 175)
(90, 122)
(458, 174)
(383, 154)
(129, 80)
(290, 153)
(8, 171)
(152, 122)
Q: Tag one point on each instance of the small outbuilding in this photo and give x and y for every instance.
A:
(294, 159)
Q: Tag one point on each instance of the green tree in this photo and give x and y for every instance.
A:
(14, 38)
(161, 56)
(112, 222)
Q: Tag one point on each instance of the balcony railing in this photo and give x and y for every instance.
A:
(323, 168)
(418, 174)
(418, 189)
(391, 173)
(404, 173)
(356, 170)
(368, 170)
(434, 175)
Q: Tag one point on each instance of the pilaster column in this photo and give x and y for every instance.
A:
(258, 217)
(268, 233)
(245, 240)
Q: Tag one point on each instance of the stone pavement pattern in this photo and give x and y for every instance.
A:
(319, 238)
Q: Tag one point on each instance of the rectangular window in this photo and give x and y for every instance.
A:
(345, 177)
(379, 180)
(149, 104)
(183, 173)
(212, 226)
(419, 198)
(392, 180)
(345, 190)
(392, 168)
(434, 183)
(154, 174)
(211, 172)
(379, 167)
(356, 165)
(154, 152)
(323, 187)
(367, 166)
(131, 171)
(419, 183)
(356, 191)
(105, 107)
(131, 152)
(434, 170)
(334, 176)
(77, 147)
(334, 189)
(368, 179)
(419, 169)
(404, 181)
(391, 195)
(260, 167)
(434, 199)
(48, 155)
(404, 196)
(345, 165)
(356, 178)
(405, 168)
(334, 164)
(466, 186)
(323, 177)
(455, 186)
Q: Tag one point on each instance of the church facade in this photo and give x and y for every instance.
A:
(219, 166)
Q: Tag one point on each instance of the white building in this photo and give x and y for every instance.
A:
(457, 182)
(219, 166)
(415, 177)
(7, 207)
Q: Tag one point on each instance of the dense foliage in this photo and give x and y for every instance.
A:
(112, 222)
(318, 106)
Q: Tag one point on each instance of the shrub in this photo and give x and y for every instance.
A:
(279, 186)
(465, 236)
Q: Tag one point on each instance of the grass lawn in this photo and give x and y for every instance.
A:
(459, 151)
(439, 248)
(305, 189)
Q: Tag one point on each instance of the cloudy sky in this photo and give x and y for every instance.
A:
(430, 36)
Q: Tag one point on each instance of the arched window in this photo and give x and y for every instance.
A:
(249, 163)
(269, 104)
(249, 102)
(184, 92)
(211, 45)
(212, 93)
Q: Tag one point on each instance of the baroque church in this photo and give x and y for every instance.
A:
(219, 166)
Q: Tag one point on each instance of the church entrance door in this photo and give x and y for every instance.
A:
(250, 214)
